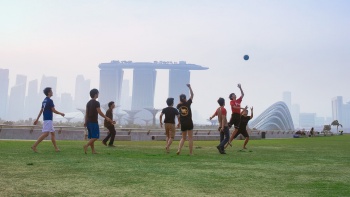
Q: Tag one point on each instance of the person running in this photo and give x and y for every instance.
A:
(243, 126)
(186, 122)
(110, 126)
(236, 112)
(170, 112)
(91, 120)
(223, 125)
(47, 109)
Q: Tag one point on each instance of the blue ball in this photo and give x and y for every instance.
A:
(246, 57)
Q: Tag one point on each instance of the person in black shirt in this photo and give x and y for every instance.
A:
(186, 122)
(243, 126)
(91, 121)
(110, 126)
(170, 112)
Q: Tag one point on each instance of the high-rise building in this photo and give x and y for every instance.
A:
(337, 108)
(144, 83)
(307, 120)
(82, 89)
(177, 83)
(33, 101)
(111, 79)
(287, 98)
(319, 121)
(346, 115)
(125, 96)
(4, 88)
(144, 80)
(66, 103)
(295, 112)
(17, 99)
(48, 82)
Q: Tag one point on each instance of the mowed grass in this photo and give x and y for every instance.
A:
(317, 166)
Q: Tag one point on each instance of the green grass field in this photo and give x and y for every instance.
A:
(317, 166)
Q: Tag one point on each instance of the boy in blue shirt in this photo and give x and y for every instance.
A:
(47, 109)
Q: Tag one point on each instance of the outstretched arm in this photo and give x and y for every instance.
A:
(191, 91)
(37, 119)
(251, 111)
(240, 88)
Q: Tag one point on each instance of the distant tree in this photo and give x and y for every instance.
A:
(337, 124)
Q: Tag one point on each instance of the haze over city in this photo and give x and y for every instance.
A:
(296, 46)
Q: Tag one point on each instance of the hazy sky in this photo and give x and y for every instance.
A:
(301, 46)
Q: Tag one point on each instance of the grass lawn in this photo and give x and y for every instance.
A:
(317, 166)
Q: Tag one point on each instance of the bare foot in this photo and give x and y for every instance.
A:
(58, 150)
(104, 143)
(244, 147)
(94, 152)
(34, 149)
(178, 152)
(85, 149)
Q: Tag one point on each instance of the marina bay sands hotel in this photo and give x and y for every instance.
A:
(144, 81)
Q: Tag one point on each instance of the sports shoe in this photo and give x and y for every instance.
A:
(104, 143)
(220, 149)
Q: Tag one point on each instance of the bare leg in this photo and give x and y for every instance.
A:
(245, 142)
(190, 141)
(182, 141)
(53, 140)
(231, 138)
(41, 138)
(170, 141)
(90, 143)
(93, 146)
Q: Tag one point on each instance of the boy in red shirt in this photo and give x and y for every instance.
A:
(223, 125)
(236, 112)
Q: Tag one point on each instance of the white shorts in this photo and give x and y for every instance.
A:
(48, 126)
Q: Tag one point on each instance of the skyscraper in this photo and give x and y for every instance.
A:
(144, 82)
(177, 83)
(125, 96)
(82, 89)
(66, 102)
(33, 101)
(295, 114)
(337, 108)
(4, 88)
(48, 82)
(287, 98)
(111, 79)
(17, 98)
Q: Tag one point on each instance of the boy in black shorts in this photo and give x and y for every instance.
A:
(186, 122)
(243, 126)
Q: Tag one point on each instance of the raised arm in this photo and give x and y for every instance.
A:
(240, 88)
(191, 91)
(251, 111)
(37, 119)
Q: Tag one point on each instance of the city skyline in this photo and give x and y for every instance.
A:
(297, 46)
(66, 101)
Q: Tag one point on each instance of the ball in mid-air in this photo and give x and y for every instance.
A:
(246, 57)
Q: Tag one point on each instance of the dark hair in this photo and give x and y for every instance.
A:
(47, 90)
(93, 92)
(110, 104)
(230, 96)
(221, 101)
(170, 101)
(182, 97)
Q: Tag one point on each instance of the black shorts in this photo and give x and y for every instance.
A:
(243, 132)
(187, 126)
(235, 120)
